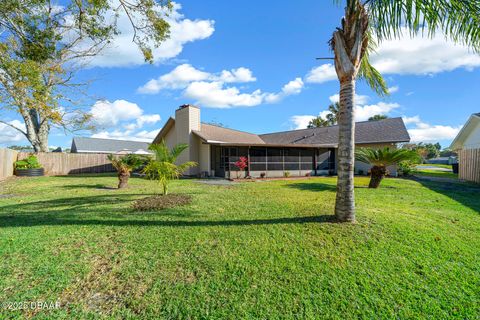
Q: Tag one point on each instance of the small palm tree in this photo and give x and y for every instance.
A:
(124, 166)
(162, 166)
(380, 159)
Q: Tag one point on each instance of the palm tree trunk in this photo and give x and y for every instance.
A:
(345, 200)
(378, 172)
(123, 179)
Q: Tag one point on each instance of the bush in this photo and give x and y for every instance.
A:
(406, 168)
(161, 202)
(286, 174)
(31, 162)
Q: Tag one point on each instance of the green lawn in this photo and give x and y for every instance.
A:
(435, 173)
(252, 250)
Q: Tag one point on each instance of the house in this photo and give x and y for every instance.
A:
(96, 145)
(467, 145)
(298, 152)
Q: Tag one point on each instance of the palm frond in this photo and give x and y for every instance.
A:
(385, 157)
(459, 20)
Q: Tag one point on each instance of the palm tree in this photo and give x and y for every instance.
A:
(354, 40)
(331, 118)
(378, 117)
(162, 166)
(380, 159)
(124, 166)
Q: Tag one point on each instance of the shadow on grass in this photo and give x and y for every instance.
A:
(317, 186)
(93, 209)
(468, 194)
(98, 186)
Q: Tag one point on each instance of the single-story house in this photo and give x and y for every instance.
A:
(298, 152)
(96, 145)
(467, 144)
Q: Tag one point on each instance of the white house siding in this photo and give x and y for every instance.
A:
(473, 139)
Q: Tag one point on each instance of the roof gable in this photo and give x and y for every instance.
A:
(469, 127)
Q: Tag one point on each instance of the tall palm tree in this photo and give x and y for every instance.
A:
(380, 159)
(162, 167)
(364, 23)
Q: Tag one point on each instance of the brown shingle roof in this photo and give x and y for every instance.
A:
(216, 134)
(388, 130)
(382, 131)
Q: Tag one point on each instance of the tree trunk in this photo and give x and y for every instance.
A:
(349, 45)
(123, 179)
(345, 200)
(36, 130)
(377, 172)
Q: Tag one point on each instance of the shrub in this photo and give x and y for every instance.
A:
(407, 168)
(262, 175)
(161, 202)
(31, 162)
(241, 164)
(286, 174)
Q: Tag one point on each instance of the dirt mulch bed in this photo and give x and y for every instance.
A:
(161, 202)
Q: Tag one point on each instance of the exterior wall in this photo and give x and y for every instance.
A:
(187, 118)
(171, 138)
(473, 139)
(204, 159)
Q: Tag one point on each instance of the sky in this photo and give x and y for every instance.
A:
(251, 66)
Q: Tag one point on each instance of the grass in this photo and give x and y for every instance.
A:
(438, 165)
(250, 250)
(435, 173)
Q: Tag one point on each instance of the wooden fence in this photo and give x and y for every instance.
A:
(72, 163)
(7, 158)
(469, 165)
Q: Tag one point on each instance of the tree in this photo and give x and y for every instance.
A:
(378, 117)
(365, 23)
(124, 166)
(317, 122)
(425, 150)
(162, 166)
(380, 159)
(43, 45)
(330, 118)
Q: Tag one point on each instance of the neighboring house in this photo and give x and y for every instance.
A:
(469, 136)
(300, 152)
(96, 145)
(467, 144)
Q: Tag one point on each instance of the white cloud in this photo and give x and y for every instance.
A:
(212, 89)
(129, 115)
(322, 73)
(183, 75)
(123, 52)
(362, 113)
(301, 121)
(415, 56)
(393, 89)
(10, 135)
(109, 114)
(214, 94)
(421, 55)
(424, 132)
(145, 136)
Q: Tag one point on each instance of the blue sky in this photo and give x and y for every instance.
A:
(251, 66)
